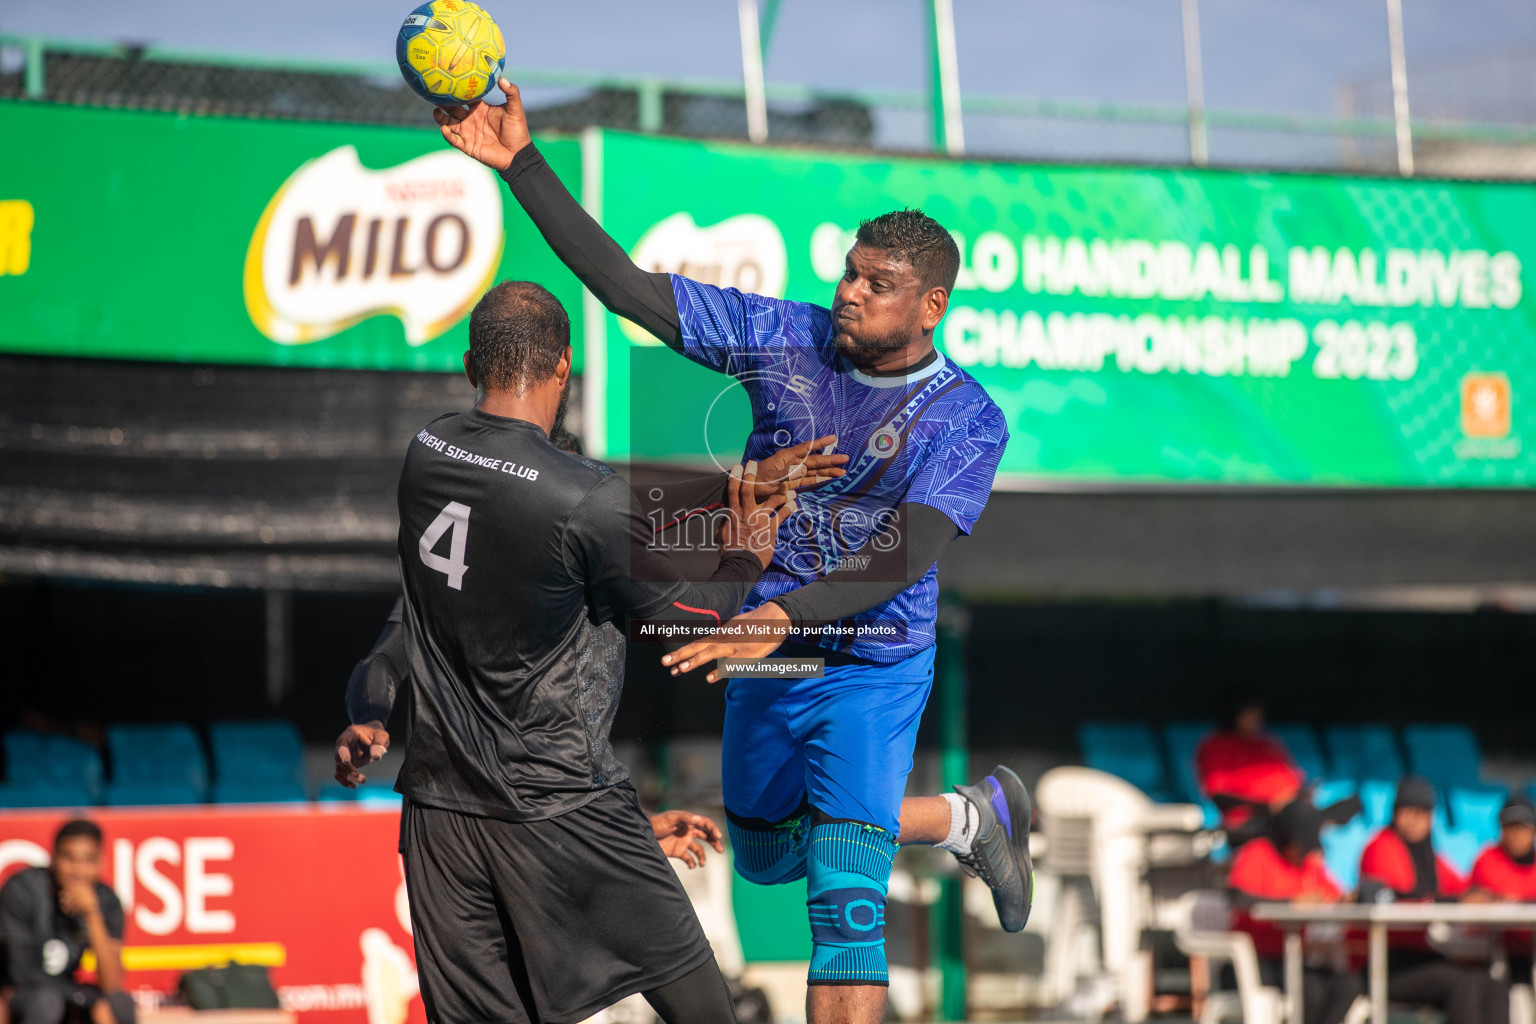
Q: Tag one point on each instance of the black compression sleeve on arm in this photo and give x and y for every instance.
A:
(665, 503)
(376, 680)
(916, 537)
(600, 262)
(610, 547)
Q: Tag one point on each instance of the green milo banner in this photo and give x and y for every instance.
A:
(1135, 325)
(136, 235)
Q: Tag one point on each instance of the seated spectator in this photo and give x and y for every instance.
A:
(1401, 863)
(1246, 772)
(1507, 870)
(1288, 865)
(49, 917)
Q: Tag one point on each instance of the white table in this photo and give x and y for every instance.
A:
(1380, 918)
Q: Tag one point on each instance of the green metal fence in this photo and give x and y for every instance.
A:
(103, 74)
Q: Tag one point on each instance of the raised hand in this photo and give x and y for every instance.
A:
(797, 468)
(750, 525)
(492, 135)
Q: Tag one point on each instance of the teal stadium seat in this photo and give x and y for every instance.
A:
(257, 762)
(1301, 740)
(1377, 795)
(1342, 847)
(159, 763)
(1183, 739)
(1458, 846)
(1475, 810)
(1447, 755)
(1330, 791)
(1343, 844)
(45, 770)
(1126, 749)
(1364, 752)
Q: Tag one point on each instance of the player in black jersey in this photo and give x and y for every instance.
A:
(537, 889)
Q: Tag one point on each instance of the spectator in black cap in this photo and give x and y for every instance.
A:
(1287, 864)
(1401, 863)
(1402, 856)
(1507, 870)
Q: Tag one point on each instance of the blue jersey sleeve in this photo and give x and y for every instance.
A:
(956, 478)
(727, 330)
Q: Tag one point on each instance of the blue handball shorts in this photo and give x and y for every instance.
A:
(843, 742)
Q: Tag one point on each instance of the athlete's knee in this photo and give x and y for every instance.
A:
(769, 854)
(849, 872)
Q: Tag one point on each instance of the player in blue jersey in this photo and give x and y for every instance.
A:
(815, 768)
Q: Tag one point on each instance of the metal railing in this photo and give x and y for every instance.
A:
(1009, 127)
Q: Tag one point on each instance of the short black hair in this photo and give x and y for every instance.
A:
(76, 829)
(917, 239)
(517, 333)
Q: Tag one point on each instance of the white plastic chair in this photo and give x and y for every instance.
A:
(1200, 929)
(1097, 826)
(1522, 1004)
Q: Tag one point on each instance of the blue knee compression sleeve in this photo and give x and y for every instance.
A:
(849, 871)
(769, 854)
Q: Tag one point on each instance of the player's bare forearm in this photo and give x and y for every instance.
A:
(109, 959)
(754, 634)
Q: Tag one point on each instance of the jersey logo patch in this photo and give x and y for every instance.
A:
(884, 442)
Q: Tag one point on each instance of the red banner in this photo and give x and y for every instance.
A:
(315, 892)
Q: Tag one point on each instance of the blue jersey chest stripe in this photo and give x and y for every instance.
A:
(910, 416)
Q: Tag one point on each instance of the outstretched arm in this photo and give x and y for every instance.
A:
(609, 546)
(666, 503)
(899, 556)
(498, 137)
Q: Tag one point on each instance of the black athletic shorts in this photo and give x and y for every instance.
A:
(543, 921)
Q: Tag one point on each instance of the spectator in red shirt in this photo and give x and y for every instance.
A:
(1402, 856)
(1289, 866)
(1507, 870)
(1400, 863)
(1244, 769)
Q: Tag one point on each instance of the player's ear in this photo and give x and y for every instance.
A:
(469, 371)
(563, 367)
(935, 305)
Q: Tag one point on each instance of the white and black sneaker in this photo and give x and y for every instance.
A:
(999, 853)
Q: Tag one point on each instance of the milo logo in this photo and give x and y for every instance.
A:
(339, 243)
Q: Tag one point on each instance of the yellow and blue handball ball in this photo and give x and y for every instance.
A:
(450, 51)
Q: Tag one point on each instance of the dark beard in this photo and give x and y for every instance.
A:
(565, 400)
(864, 353)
